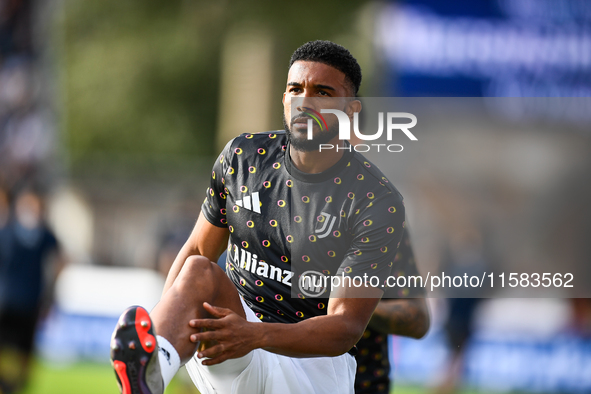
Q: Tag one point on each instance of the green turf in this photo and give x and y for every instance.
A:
(87, 378)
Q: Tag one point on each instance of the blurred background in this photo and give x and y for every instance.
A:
(112, 112)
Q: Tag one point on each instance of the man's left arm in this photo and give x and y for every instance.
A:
(408, 317)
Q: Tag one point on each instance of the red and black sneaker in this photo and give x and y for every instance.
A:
(134, 354)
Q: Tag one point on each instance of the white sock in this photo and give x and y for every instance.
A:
(170, 362)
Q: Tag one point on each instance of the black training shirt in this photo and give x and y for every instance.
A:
(347, 220)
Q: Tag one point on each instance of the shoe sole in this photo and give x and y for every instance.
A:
(132, 346)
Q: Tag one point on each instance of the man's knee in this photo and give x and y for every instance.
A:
(197, 270)
(197, 267)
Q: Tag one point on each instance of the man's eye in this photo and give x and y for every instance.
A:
(323, 93)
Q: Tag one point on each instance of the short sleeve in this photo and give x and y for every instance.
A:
(377, 232)
(214, 206)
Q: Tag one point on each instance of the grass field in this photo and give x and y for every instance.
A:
(88, 378)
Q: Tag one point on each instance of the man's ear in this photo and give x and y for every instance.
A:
(283, 99)
(352, 107)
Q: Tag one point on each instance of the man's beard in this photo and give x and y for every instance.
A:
(306, 145)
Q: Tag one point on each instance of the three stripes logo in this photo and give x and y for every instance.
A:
(251, 203)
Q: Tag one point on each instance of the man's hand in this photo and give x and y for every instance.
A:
(231, 335)
(321, 336)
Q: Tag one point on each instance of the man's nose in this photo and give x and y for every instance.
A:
(309, 100)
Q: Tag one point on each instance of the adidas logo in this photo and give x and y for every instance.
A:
(251, 203)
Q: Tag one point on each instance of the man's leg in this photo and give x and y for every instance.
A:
(199, 281)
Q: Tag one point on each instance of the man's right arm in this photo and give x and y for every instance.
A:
(205, 240)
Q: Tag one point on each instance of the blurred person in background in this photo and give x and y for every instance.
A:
(458, 331)
(403, 312)
(15, 28)
(26, 138)
(29, 263)
(581, 321)
(4, 208)
(465, 254)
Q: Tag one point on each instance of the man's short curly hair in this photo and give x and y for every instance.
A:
(333, 55)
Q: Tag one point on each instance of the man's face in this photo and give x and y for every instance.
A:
(310, 81)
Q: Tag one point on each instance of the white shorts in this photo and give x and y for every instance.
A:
(261, 371)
